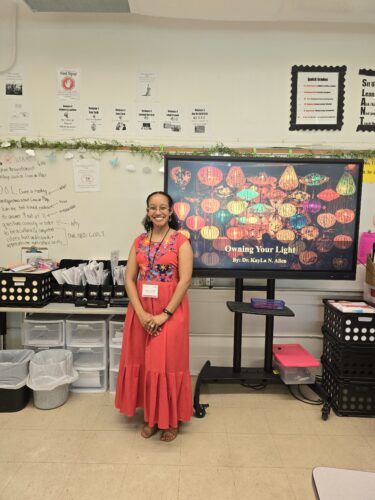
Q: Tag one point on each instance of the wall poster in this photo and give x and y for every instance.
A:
(317, 97)
(367, 109)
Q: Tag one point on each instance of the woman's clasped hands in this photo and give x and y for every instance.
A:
(152, 324)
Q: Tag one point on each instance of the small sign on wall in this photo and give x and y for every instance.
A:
(367, 108)
(317, 97)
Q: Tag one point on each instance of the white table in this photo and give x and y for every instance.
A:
(54, 308)
(343, 484)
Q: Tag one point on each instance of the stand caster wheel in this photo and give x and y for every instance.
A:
(326, 411)
(200, 411)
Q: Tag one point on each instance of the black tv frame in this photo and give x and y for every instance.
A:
(276, 273)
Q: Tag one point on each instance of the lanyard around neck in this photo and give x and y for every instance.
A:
(151, 263)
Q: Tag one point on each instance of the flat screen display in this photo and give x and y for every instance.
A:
(268, 217)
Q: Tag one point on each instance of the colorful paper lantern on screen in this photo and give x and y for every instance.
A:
(185, 232)
(235, 233)
(210, 259)
(298, 221)
(275, 223)
(309, 232)
(308, 257)
(180, 176)
(223, 191)
(344, 215)
(299, 196)
(328, 195)
(340, 263)
(210, 205)
(195, 222)
(314, 179)
(236, 207)
(247, 194)
(313, 206)
(346, 185)
(276, 195)
(242, 219)
(261, 209)
(210, 232)
(263, 179)
(235, 177)
(210, 176)
(287, 210)
(324, 243)
(222, 216)
(220, 243)
(342, 241)
(181, 209)
(285, 235)
(326, 220)
(297, 246)
(252, 218)
(288, 179)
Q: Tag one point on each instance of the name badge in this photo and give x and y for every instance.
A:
(150, 291)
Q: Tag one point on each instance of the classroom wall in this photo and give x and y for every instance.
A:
(242, 72)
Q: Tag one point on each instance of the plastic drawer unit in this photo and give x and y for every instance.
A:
(44, 330)
(86, 330)
(89, 357)
(91, 380)
(114, 358)
(116, 330)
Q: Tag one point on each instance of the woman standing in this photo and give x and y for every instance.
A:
(154, 364)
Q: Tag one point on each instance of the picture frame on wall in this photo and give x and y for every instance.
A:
(317, 97)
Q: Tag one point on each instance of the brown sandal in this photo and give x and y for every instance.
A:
(169, 435)
(148, 431)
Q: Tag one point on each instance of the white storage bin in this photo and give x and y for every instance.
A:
(89, 357)
(294, 363)
(44, 330)
(116, 330)
(114, 357)
(88, 330)
(90, 381)
(296, 374)
(113, 374)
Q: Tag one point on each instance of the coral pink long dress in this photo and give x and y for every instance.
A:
(154, 371)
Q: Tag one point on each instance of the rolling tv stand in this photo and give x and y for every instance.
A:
(236, 374)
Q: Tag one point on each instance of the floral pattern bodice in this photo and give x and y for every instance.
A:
(158, 262)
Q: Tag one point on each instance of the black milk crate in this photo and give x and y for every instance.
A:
(349, 397)
(350, 329)
(25, 289)
(346, 361)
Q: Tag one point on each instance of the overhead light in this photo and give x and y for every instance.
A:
(79, 5)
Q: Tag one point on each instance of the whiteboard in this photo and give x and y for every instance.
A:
(40, 204)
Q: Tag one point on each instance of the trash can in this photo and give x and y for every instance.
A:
(50, 374)
(14, 369)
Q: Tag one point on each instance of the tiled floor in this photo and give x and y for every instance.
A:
(251, 445)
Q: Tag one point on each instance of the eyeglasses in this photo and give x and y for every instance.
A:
(162, 208)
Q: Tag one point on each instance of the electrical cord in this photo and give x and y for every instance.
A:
(255, 387)
(303, 398)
